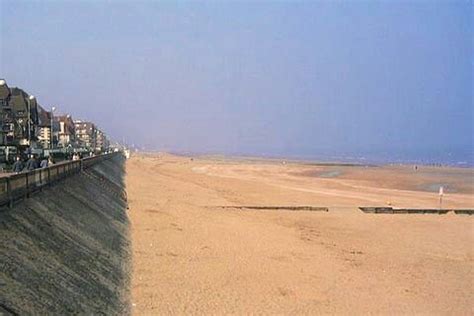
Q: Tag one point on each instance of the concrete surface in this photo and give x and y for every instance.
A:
(66, 249)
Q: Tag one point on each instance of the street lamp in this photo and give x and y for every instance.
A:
(51, 139)
(4, 94)
(30, 98)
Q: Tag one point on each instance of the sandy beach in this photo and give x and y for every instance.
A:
(191, 255)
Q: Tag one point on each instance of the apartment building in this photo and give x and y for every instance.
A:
(66, 131)
(102, 142)
(85, 133)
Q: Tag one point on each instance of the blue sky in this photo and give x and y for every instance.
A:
(278, 78)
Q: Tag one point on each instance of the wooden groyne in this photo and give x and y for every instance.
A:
(391, 210)
(282, 208)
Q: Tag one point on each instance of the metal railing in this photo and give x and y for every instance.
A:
(18, 186)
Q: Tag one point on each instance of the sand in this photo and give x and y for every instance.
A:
(192, 256)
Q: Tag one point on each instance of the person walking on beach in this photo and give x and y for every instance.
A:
(18, 165)
(31, 164)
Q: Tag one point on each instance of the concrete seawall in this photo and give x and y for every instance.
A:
(66, 250)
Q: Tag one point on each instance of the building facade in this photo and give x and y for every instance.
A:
(44, 128)
(66, 132)
(85, 133)
(102, 143)
(18, 116)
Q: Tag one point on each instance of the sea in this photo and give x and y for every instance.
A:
(463, 158)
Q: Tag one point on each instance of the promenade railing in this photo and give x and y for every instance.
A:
(15, 187)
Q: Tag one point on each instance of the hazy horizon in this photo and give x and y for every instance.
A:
(264, 78)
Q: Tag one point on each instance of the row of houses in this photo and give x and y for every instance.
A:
(68, 132)
(27, 124)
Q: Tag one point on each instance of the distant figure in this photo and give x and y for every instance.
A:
(50, 161)
(31, 164)
(44, 163)
(18, 165)
(75, 157)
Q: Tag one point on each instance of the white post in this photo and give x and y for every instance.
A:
(441, 193)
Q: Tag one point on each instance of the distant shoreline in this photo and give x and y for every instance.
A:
(315, 161)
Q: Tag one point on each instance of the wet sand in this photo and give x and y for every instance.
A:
(192, 256)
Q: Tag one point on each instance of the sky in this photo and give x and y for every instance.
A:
(283, 78)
